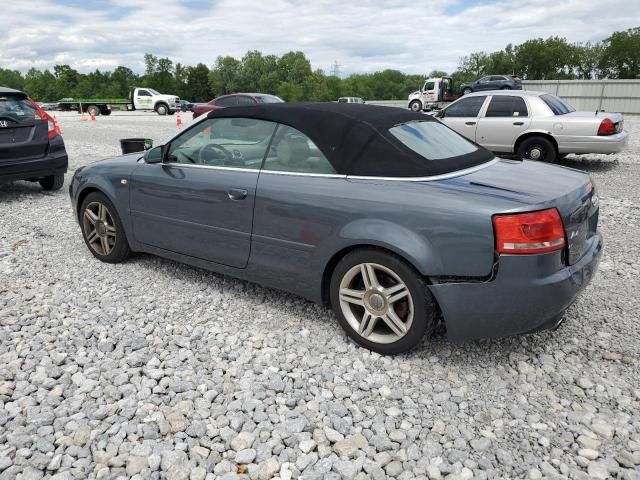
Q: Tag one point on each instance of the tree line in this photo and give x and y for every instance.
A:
(291, 76)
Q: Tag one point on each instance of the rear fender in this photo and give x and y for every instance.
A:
(406, 243)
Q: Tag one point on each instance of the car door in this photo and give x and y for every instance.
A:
(483, 84)
(462, 115)
(504, 120)
(295, 204)
(199, 201)
(142, 99)
(497, 82)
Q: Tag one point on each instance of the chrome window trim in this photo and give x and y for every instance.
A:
(432, 178)
(209, 167)
(303, 174)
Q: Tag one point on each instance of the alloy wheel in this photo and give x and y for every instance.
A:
(376, 303)
(99, 228)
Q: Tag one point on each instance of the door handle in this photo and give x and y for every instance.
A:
(518, 123)
(237, 194)
(469, 123)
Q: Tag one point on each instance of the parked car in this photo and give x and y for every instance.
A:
(533, 125)
(233, 100)
(186, 105)
(350, 100)
(492, 82)
(31, 145)
(387, 215)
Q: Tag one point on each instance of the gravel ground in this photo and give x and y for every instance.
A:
(151, 369)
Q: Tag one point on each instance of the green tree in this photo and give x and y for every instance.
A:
(621, 54)
(197, 84)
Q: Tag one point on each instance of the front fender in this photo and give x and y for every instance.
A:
(406, 243)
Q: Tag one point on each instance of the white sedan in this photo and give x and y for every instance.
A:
(533, 125)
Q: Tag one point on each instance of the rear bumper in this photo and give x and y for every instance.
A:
(528, 294)
(52, 164)
(593, 144)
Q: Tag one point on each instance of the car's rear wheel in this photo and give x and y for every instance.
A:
(381, 302)
(466, 91)
(102, 229)
(537, 148)
(506, 87)
(415, 106)
(93, 110)
(52, 182)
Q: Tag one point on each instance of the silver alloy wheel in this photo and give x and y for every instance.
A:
(376, 303)
(99, 228)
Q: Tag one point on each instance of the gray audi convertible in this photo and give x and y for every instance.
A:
(388, 216)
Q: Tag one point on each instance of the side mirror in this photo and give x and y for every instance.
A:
(154, 155)
(440, 114)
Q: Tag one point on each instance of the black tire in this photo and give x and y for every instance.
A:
(425, 312)
(546, 150)
(52, 182)
(466, 91)
(93, 109)
(506, 87)
(415, 106)
(162, 108)
(171, 112)
(105, 112)
(118, 244)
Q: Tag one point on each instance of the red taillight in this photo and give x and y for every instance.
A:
(53, 128)
(532, 232)
(607, 127)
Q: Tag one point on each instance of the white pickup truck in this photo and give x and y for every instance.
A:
(139, 99)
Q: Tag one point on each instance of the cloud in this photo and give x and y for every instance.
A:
(369, 35)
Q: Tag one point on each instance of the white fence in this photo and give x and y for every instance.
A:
(622, 96)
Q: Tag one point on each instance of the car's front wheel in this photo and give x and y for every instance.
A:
(415, 106)
(537, 148)
(466, 91)
(382, 302)
(162, 109)
(52, 182)
(102, 229)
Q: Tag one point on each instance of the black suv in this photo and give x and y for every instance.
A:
(31, 147)
(492, 82)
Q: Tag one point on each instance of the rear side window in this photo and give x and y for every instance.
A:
(557, 105)
(497, 78)
(227, 101)
(432, 140)
(17, 108)
(292, 151)
(467, 107)
(243, 100)
(507, 106)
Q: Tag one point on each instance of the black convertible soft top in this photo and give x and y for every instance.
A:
(355, 138)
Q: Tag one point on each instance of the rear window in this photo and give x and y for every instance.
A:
(268, 99)
(17, 108)
(557, 105)
(432, 140)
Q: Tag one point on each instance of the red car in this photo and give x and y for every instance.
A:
(234, 99)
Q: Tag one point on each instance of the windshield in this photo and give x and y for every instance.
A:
(153, 92)
(557, 105)
(432, 140)
(268, 99)
(17, 108)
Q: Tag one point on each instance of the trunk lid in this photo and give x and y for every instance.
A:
(537, 186)
(23, 133)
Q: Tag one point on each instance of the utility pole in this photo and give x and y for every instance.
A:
(335, 70)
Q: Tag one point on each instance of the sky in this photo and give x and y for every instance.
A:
(414, 36)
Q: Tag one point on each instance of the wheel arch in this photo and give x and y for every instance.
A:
(537, 133)
(394, 239)
(91, 188)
